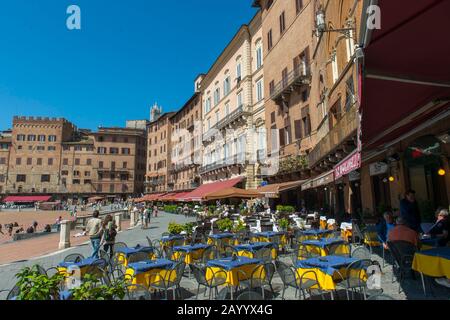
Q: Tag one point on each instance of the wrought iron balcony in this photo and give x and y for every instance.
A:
(224, 163)
(154, 183)
(297, 78)
(240, 112)
(344, 130)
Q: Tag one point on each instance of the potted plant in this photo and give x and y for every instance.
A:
(35, 286)
(225, 225)
(91, 290)
(240, 226)
(188, 228)
(283, 224)
(175, 228)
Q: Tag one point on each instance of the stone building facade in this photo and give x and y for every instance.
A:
(51, 156)
(158, 154)
(186, 146)
(231, 107)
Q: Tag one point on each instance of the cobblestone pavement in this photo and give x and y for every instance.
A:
(411, 289)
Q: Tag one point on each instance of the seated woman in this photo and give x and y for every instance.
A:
(440, 230)
(384, 226)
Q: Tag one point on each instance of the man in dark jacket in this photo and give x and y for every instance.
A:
(409, 211)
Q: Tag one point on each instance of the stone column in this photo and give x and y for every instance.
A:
(118, 219)
(64, 235)
(132, 219)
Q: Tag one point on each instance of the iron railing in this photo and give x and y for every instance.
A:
(295, 77)
(342, 131)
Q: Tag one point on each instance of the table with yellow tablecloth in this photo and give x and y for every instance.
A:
(321, 247)
(433, 263)
(249, 250)
(169, 241)
(149, 272)
(269, 236)
(124, 253)
(329, 270)
(235, 270)
(192, 252)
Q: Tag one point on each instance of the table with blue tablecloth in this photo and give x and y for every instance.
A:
(151, 271)
(433, 263)
(193, 252)
(314, 234)
(428, 244)
(328, 269)
(234, 270)
(124, 253)
(249, 250)
(66, 268)
(321, 246)
(168, 241)
(268, 236)
(220, 239)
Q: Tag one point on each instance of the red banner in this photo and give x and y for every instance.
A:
(349, 164)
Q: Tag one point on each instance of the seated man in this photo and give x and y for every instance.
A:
(441, 228)
(401, 232)
(384, 227)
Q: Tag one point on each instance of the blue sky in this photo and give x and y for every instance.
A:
(128, 55)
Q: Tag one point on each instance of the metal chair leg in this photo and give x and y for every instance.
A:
(423, 284)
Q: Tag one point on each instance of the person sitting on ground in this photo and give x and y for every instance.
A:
(48, 228)
(441, 228)
(16, 225)
(20, 230)
(1, 231)
(385, 226)
(401, 232)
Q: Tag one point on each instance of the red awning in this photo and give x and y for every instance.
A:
(181, 196)
(406, 69)
(200, 193)
(168, 197)
(27, 199)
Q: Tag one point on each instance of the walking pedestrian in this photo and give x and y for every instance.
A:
(94, 231)
(148, 215)
(155, 211)
(109, 235)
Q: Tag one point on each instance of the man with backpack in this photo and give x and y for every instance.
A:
(109, 235)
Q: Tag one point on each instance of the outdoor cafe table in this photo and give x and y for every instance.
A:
(225, 237)
(315, 234)
(321, 247)
(268, 237)
(67, 268)
(249, 250)
(235, 270)
(328, 269)
(428, 244)
(148, 272)
(433, 263)
(193, 252)
(168, 241)
(124, 253)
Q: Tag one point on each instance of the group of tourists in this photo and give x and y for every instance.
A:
(407, 225)
(101, 233)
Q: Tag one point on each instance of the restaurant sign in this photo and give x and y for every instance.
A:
(349, 164)
(378, 168)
